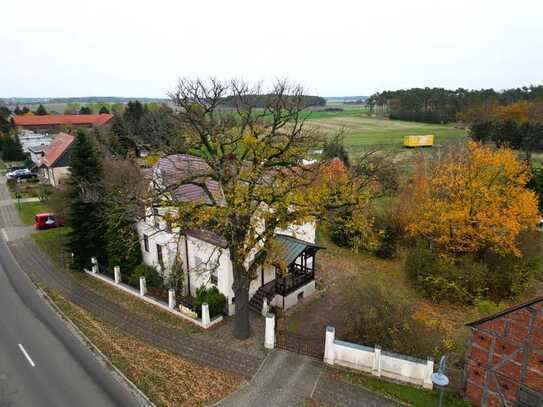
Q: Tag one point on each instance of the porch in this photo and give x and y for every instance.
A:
(287, 284)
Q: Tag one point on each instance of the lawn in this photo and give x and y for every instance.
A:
(167, 379)
(51, 242)
(406, 394)
(27, 211)
(363, 131)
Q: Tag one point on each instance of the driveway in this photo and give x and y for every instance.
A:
(289, 379)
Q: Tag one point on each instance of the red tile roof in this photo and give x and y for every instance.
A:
(58, 146)
(59, 119)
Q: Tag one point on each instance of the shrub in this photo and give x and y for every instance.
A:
(381, 316)
(152, 278)
(468, 278)
(213, 297)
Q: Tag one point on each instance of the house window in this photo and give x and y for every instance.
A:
(146, 243)
(155, 218)
(159, 256)
(215, 277)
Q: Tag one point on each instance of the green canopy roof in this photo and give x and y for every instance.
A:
(293, 247)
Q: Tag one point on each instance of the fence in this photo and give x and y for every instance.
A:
(377, 362)
(201, 318)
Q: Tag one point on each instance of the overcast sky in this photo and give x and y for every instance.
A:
(139, 48)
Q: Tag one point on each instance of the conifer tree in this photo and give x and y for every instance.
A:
(104, 110)
(41, 111)
(86, 206)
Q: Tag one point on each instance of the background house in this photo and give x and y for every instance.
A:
(57, 123)
(505, 357)
(55, 163)
(205, 255)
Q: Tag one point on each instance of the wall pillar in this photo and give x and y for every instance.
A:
(329, 347)
(171, 298)
(428, 384)
(206, 320)
(94, 262)
(143, 286)
(376, 368)
(117, 273)
(269, 337)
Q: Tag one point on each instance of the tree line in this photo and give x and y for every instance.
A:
(439, 105)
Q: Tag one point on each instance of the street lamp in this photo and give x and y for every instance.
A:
(439, 378)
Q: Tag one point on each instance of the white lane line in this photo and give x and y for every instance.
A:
(5, 234)
(26, 355)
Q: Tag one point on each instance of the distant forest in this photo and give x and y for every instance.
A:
(83, 99)
(439, 105)
(262, 100)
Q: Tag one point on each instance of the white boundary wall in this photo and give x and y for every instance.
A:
(378, 363)
(154, 301)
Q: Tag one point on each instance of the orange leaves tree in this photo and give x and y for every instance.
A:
(470, 201)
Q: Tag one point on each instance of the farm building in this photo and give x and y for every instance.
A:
(55, 163)
(505, 358)
(58, 123)
(205, 255)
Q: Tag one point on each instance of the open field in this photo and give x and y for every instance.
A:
(363, 131)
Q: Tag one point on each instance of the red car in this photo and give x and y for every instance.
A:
(47, 221)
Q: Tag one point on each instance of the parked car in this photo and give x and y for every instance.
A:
(47, 221)
(21, 173)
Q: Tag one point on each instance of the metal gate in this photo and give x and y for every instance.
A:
(312, 346)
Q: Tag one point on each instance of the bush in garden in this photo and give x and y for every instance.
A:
(152, 278)
(213, 297)
(381, 316)
(468, 278)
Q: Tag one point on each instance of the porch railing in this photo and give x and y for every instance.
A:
(289, 283)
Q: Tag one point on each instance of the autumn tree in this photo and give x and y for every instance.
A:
(471, 199)
(254, 156)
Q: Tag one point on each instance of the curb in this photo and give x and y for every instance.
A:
(94, 347)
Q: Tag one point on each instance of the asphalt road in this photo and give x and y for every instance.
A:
(42, 361)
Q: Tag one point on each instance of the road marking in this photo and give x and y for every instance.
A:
(5, 234)
(26, 355)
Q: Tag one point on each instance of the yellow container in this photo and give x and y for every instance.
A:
(419, 141)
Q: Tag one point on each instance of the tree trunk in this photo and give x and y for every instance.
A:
(241, 290)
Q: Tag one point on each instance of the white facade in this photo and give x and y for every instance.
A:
(208, 264)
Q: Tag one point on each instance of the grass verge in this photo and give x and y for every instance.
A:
(166, 379)
(406, 394)
(27, 211)
(51, 242)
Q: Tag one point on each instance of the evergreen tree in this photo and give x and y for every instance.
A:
(41, 111)
(85, 110)
(25, 110)
(104, 110)
(17, 111)
(12, 150)
(6, 125)
(86, 206)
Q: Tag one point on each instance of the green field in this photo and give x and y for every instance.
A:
(363, 131)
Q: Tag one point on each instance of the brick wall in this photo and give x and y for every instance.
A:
(506, 353)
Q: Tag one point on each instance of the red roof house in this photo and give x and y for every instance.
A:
(55, 123)
(56, 160)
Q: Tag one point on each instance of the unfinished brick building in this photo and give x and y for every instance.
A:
(505, 357)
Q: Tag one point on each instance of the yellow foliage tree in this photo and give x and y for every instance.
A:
(472, 199)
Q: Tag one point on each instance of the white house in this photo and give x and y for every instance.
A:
(205, 256)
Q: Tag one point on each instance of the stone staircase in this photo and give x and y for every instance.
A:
(266, 291)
